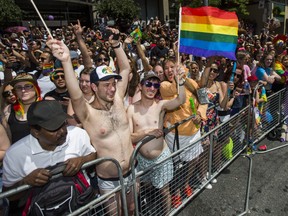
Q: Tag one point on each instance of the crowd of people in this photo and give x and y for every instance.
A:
(100, 91)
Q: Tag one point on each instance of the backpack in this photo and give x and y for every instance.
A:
(60, 196)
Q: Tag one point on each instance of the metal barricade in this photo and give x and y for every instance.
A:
(213, 152)
(210, 155)
(273, 115)
(99, 206)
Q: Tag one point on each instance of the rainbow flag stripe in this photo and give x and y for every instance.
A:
(208, 31)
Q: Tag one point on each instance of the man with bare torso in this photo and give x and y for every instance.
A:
(105, 118)
(146, 118)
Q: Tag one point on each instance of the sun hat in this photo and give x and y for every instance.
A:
(22, 78)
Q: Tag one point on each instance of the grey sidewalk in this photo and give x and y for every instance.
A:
(269, 187)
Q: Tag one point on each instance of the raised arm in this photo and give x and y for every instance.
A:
(181, 98)
(78, 31)
(146, 65)
(61, 52)
(123, 63)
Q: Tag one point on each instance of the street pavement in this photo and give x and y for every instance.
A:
(269, 187)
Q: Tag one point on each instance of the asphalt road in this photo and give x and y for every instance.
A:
(268, 193)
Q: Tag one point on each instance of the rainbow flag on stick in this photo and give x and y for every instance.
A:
(136, 34)
(208, 31)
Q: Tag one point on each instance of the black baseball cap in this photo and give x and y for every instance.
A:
(48, 114)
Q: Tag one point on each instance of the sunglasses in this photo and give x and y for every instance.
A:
(150, 84)
(56, 77)
(43, 59)
(102, 59)
(214, 70)
(25, 87)
(6, 94)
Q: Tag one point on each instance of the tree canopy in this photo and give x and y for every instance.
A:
(124, 9)
(238, 6)
(9, 11)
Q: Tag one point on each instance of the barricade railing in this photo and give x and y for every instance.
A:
(99, 206)
(273, 115)
(196, 164)
(218, 151)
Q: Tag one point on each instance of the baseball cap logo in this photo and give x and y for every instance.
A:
(107, 70)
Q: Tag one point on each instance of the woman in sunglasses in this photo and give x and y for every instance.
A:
(104, 59)
(218, 98)
(27, 91)
(8, 96)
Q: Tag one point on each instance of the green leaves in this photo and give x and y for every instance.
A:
(239, 6)
(124, 9)
(9, 11)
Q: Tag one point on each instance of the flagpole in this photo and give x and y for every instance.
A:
(178, 47)
(47, 29)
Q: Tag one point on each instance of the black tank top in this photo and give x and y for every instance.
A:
(19, 129)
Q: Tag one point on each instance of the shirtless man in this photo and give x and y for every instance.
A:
(146, 118)
(105, 118)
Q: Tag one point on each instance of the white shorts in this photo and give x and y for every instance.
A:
(189, 153)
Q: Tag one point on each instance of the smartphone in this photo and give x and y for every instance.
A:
(106, 34)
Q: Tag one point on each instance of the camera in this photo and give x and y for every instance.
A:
(8, 51)
(106, 34)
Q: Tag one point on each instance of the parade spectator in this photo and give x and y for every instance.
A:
(242, 61)
(266, 73)
(89, 95)
(133, 92)
(46, 64)
(8, 95)
(78, 32)
(111, 139)
(158, 69)
(194, 72)
(53, 141)
(156, 149)
(61, 93)
(218, 98)
(257, 56)
(188, 131)
(160, 51)
(27, 91)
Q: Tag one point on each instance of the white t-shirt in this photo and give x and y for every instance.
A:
(27, 155)
(45, 84)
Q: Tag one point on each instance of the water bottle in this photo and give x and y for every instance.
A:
(246, 87)
(1, 66)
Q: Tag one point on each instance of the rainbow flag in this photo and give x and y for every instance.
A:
(136, 34)
(47, 68)
(208, 31)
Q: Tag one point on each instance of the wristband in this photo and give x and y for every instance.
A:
(116, 47)
(181, 84)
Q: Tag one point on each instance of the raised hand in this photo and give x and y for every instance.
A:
(77, 28)
(59, 49)
(112, 40)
